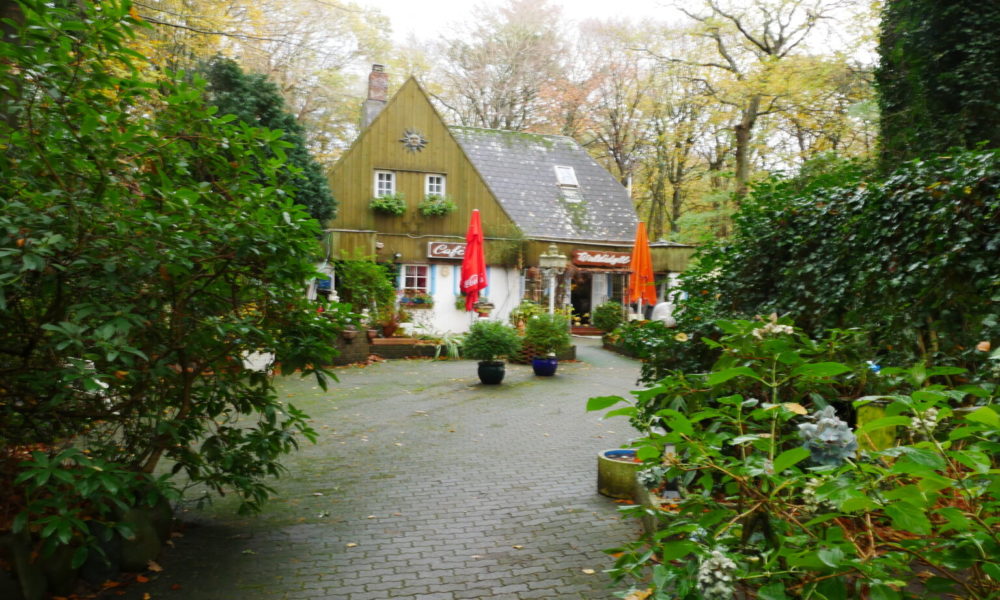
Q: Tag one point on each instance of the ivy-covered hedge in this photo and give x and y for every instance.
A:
(911, 258)
(939, 77)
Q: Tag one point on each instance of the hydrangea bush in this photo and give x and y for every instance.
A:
(787, 493)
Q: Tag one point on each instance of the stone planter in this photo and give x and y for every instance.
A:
(656, 506)
(616, 473)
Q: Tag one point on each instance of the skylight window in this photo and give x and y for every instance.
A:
(566, 176)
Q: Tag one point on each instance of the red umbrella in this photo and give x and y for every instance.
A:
(474, 263)
(641, 287)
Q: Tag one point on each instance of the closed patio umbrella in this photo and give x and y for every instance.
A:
(641, 287)
(474, 262)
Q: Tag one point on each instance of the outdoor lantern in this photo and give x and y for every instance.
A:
(552, 260)
(553, 264)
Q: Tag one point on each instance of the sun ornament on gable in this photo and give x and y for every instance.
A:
(413, 140)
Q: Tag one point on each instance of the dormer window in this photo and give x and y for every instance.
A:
(566, 176)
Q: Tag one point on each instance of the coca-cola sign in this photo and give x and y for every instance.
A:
(599, 258)
(446, 250)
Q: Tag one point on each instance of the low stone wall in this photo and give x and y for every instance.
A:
(616, 348)
(402, 348)
(527, 353)
(352, 350)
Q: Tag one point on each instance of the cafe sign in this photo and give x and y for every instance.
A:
(446, 250)
(591, 258)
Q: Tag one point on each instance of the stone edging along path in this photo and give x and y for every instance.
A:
(424, 484)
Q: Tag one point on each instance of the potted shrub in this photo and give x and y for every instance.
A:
(483, 307)
(489, 342)
(545, 335)
(608, 316)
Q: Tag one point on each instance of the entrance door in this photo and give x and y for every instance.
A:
(580, 296)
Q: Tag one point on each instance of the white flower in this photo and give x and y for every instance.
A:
(715, 576)
(926, 422)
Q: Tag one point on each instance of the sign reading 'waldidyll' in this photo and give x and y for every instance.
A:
(589, 258)
(446, 250)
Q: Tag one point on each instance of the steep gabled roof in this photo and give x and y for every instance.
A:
(520, 170)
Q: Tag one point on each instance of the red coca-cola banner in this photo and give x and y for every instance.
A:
(446, 250)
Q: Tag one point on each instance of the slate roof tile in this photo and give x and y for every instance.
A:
(519, 168)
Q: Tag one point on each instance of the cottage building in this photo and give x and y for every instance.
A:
(532, 191)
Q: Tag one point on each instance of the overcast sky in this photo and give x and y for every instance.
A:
(427, 19)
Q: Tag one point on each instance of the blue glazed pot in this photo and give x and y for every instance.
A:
(544, 366)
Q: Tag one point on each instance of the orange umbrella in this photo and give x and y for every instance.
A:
(641, 287)
(474, 262)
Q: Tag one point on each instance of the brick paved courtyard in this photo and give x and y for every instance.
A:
(424, 484)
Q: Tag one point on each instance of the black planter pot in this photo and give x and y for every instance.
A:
(491, 372)
(544, 366)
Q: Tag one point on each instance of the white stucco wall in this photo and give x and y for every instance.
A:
(504, 291)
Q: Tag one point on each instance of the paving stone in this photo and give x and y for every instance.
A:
(424, 484)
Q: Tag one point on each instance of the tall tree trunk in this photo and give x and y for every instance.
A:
(744, 133)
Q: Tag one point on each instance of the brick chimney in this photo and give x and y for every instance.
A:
(378, 94)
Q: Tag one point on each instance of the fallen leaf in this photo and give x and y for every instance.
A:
(142, 579)
(518, 547)
(351, 545)
(983, 346)
(176, 586)
(371, 516)
(147, 596)
(398, 444)
(154, 566)
(249, 551)
(640, 594)
(111, 584)
(317, 493)
(796, 408)
(589, 571)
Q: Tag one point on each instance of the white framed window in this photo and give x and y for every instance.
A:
(385, 183)
(416, 277)
(434, 184)
(566, 176)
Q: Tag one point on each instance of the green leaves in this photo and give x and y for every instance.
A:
(720, 377)
(821, 369)
(789, 458)
(602, 402)
(882, 423)
(907, 517)
(985, 415)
